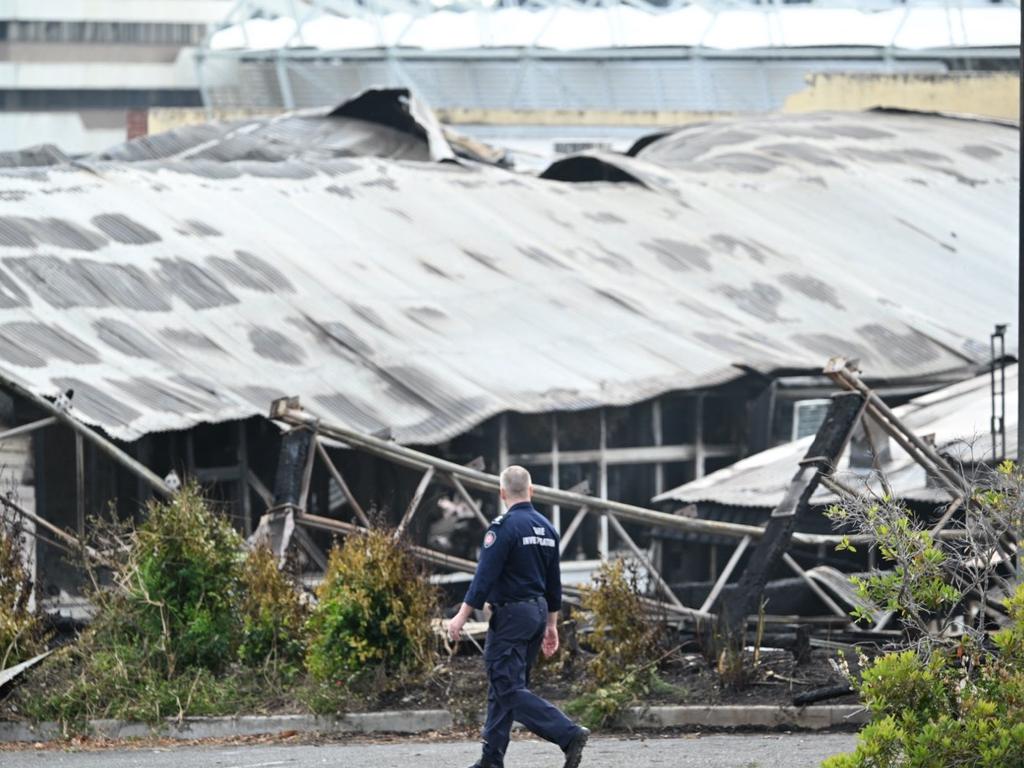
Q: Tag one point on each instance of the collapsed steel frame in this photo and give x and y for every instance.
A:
(307, 439)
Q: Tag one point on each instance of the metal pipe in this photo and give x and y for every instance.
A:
(95, 438)
(409, 457)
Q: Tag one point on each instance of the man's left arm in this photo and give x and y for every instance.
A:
(553, 596)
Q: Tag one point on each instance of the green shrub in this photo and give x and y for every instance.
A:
(622, 638)
(273, 618)
(959, 709)
(373, 612)
(166, 628)
(625, 644)
(21, 632)
(181, 584)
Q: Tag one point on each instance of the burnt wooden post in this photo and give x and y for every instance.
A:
(293, 460)
(833, 435)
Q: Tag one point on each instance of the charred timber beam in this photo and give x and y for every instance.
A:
(289, 411)
(843, 413)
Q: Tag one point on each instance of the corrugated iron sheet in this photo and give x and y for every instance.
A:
(426, 297)
(958, 417)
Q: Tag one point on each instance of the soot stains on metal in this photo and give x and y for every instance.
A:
(483, 260)
(274, 345)
(352, 410)
(122, 229)
(158, 396)
(25, 232)
(812, 288)
(760, 300)
(33, 344)
(60, 284)
(198, 229)
(827, 345)
(97, 404)
(430, 318)
(191, 339)
(263, 270)
(620, 301)
(435, 270)
(980, 151)
(126, 339)
(123, 285)
(346, 192)
(195, 286)
(11, 294)
(540, 256)
(679, 256)
(734, 246)
(809, 153)
(604, 217)
(334, 333)
(908, 349)
(372, 317)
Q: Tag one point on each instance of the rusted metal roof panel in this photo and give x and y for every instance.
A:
(957, 416)
(425, 297)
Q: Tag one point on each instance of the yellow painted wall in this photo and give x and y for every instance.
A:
(989, 95)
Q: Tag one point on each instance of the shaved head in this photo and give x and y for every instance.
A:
(516, 485)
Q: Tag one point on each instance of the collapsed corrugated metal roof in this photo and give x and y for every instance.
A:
(379, 122)
(426, 297)
(957, 416)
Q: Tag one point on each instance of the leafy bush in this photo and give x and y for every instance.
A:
(621, 638)
(948, 699)
(164, 630)
(181, 583)
(373, 612)
(622, 670)
(273, 618)
(21, 632)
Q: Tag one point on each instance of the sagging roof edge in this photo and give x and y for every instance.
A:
(738, 373)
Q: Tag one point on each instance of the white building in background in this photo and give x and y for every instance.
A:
(511, 71)
(71, 71)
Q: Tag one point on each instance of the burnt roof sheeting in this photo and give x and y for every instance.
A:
(426, 297)
(958, 417)
(378, 122)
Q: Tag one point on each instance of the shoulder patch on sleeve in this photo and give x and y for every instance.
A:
(489, 538)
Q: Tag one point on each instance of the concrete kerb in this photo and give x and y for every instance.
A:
(412, 721)
(421, 721)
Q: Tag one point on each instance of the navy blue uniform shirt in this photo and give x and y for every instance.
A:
(518, 561)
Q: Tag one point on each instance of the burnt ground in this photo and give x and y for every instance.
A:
(460, 683)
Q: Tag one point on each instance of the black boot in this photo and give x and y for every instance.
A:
(574, 750)
(484, 762)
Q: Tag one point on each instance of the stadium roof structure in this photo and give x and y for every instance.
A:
(197, 276)
(567, 26)
(956, 416)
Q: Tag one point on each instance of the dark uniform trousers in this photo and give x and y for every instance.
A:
(513, 641)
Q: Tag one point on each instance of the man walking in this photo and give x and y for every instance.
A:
(520, 576)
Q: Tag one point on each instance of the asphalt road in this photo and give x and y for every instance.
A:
(711, 751)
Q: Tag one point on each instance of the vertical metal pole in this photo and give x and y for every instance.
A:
(602, 479)
(698, 438)
(556, 510)
(1002, 392)
(992, 391)
(79, 484)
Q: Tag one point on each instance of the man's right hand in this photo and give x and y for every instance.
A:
(549, 645)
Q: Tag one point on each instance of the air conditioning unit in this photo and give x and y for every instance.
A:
(808, 416)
